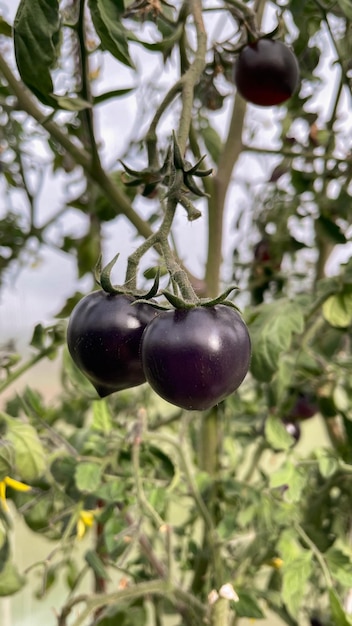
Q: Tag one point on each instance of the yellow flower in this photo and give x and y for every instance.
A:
(276, 562)
(85, 521)
(14, 484)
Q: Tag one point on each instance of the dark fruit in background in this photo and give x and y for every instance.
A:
(266, 72)
(197, 357)
(103, 338)
(305, 406)
(293, 429)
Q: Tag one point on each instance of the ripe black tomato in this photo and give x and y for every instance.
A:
(197, 357)
(266, 72)
(103, 338)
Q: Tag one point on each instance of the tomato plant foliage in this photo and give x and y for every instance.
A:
(240, 508)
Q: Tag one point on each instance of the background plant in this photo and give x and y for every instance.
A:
(122, 469)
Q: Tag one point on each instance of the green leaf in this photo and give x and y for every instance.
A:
(114, 93)
(111, 491)
(72, 103)
(295, 576)
(102, 419)
(212, 142)
(72, 374)
(5, 28)
(4, 549)
(113, 36)
(327, 462)
(6, 459)
(340, 566)
(11, 580)
(116, 541)
(292, 478)
(330, 230)
(339, 616)
(165, 45)
(277, 435)
(29, 454)
(88, 476)
(247, 606)
(271, 333)
(36, 40)
(337, 309)
(97, 565)
(38, 337)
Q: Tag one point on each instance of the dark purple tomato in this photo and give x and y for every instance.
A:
(197, 357)
(266, 72)
(305, 406)
(103, 337)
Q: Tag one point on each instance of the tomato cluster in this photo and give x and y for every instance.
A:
(193, 358)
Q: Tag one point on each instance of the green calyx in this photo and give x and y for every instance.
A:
(103, 279)
(176, 174)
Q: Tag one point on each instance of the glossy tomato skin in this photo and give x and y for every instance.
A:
(103, 338)
(266, 72)
(197, 357)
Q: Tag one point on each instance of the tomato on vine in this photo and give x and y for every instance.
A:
(103, 338)
(266, 72)
(194, 358)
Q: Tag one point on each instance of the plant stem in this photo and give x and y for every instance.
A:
(192, 75)
(220, 183)
(25, 367)
(318, 555)
(141, 497)
(78, 153)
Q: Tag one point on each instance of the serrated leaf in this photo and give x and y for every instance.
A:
(340, 566)
(88, 476)
(11, 580)
(337, 310)
(271, 334)
(111, 491)
(291, 478)
(102, 419)
(113, 35)
(29, 454)
(339, 616)
(295, 576)
(327, 462)
(277, 435)
(36, 39)
(247, 606)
